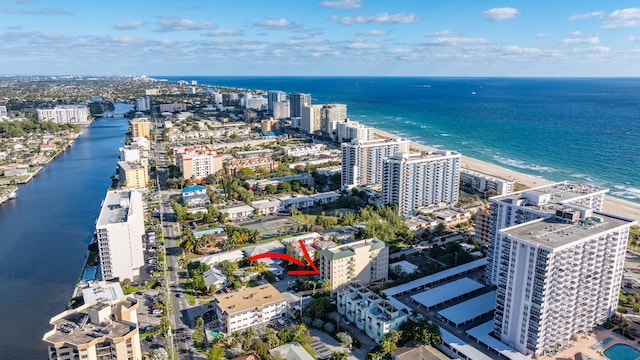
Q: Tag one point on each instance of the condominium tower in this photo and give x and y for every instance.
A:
(362, 161)
(558, 277)
(532, 204)
(140, 127)
(197, 161)
(66, 114)
(349, 130)
(363, 261)
(249, 307)
(297, 101)
(119, 231)
(274, 96)
(417, 180)
(322, 117)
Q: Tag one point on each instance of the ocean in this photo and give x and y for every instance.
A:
(580, 129)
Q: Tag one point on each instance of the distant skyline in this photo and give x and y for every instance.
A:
(574, 38)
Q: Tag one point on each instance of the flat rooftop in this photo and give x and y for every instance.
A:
(483, 334)
(470, 309)
(443, 293)
(114, 207)
(248, 298)
(560, 192)
(554, 232)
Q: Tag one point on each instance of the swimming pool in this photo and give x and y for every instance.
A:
(622, 352)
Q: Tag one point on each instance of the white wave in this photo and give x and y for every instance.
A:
(437, 146)
(445, 135)
(424, 127)
(579, 175)
(523, 165)
(464, 143)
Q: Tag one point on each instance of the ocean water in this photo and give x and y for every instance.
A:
(583, 129)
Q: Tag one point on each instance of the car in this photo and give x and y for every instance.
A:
(179, 295)
(291, 282)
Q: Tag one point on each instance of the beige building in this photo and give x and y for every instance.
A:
(132, 174)
(140, 127)
(365, 261)
(249, 307)
(198, 161)
(96, 330)
(269, 125)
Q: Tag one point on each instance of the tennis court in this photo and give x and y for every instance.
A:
(272, 228)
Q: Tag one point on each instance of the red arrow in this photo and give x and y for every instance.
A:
(315, 270)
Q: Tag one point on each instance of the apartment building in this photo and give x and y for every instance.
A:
(296, 102)
(417, 180)
(362, 161)
(133, 174)
(197, 161)
(119, 231)
(95, 330)
(365, 261)
(140, 127)
(531, 204)
(249, 307)
(322, 117)
(484, 182)
(274, 96)
(66, 114)
(369, 312)
(349, 130)
(281, 110)
(558, 277)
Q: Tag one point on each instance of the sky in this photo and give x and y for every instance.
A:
(572, 38)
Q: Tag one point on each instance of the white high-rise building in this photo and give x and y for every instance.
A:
(531, 204)
(274, 96)
(362, 160)
(417, 180)
(330, 115)
(558, 277)
(4, 114)
(310, 118)
(119, 232)
(281, 110)
(217, 98)
(143, 104)
(349, 130)
(66, 114)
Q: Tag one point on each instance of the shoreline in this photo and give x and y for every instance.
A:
(612, 204)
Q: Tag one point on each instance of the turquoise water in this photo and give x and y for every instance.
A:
(214, 333)
(622, 352)
(554, 128)
(90, 273)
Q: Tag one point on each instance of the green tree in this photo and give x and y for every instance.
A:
(159, 354)
(345, 339)
(215, 353)
(339, 355)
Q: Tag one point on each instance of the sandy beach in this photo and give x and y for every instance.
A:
(612, 205)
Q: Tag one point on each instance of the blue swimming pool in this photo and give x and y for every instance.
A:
(622, 352)
(90, 273)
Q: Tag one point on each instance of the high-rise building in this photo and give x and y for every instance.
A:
(274, 96)
(322, 117)
(417, 180)
(310, 118)
(347, 130)
(96, 330)
(198, 161)
(119, 231)
(140, 127)
(281, 110)
(532, 204)
(484, 182)
(4, 114)
(66, 114)
(365, 261)
(143, 104)
(558, 277)
(362, 160)
(133, 174)
(297, 101)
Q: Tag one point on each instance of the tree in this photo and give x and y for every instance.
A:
(345, 339)
(340, 355)
(284, 187)
(215, 353)
(159, 354)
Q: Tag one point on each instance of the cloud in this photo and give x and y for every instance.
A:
(634, 38)
(360, 45)
(129, 26)
(629, 17)
(271, 24)
(499, 14)
(517, 50)
(543, 34)
(373, 32)
(342, 4)
(575, 33)
(400, 18)
(443, 33)
(224, 32)
(586, 15)
(580, 41)
(168, 24)
(43, 11)
(13, 27)
(456, 41)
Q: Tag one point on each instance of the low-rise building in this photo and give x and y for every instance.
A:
(133, 174)
(96, 330)
(195, 196)
(292, 351)
(369, 312)
(365, 261)
(238, 212)
(484, 182)
(249, 307)
(266, 207)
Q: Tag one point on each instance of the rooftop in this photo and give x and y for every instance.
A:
(103, 292)
(248, 298)
(130, 165)
(556, 193)
(555, 232)
(347, 250)
(115, 207)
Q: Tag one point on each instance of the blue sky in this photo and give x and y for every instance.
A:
(321, 37)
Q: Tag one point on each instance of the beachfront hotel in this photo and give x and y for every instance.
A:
(362, 161)
(369, 312)
(365, 261)
(349, 130)
(249, 307)
(482, 182)
(558, 277)
(322, 117)
(417, 180)
(531, 204)
(119, 231)
(66, 114)
(96, 330)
